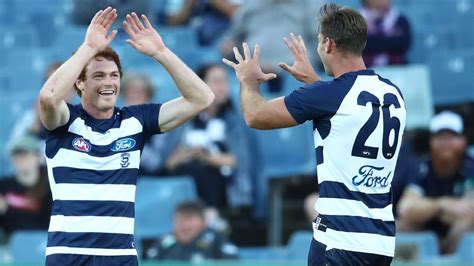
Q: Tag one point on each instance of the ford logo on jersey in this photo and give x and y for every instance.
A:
(81, 144)
(123, 144)
(371, 176)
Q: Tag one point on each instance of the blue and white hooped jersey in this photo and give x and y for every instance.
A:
(358, 122)
(92, 168)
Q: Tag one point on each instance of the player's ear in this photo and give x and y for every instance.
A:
(330, 45)
(80, 85)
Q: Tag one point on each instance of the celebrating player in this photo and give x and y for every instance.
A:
(93, 149)
(358, 119)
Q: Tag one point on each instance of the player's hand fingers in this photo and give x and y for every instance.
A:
(133, 44)
(237, 55)
(229, 63)
(110, 20)
(112, 35)
(137, 21)
(96, 16)
(302, 45)
(132, 24)
(296, 44)
(128, 29)
(290, 46)
(269, 76)
(246, 51)
(147, 22)
(256, 52)
(286, 67)
(104, 15)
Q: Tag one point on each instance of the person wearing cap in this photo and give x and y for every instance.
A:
(25, 198)
(441, 199)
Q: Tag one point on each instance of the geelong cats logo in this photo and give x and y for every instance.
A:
(81, 144)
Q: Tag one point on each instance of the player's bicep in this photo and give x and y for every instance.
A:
(175, 113)
(273, 114)
(53, 117)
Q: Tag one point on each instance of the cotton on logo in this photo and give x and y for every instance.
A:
(81, 144)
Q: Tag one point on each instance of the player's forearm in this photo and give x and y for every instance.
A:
(60, 84)
(191, 87)
(250, 101)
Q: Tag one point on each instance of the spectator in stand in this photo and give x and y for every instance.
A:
(266, 22)
(389, 34)
(30, 122)
(214, 150)
(442, 198)
(25, 198)
(138, 89)
(211, 18)
(84, 10)
(191, 239)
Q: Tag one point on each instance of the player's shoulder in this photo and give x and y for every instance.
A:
(390, 83)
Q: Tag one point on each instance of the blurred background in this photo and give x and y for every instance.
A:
(257, 188)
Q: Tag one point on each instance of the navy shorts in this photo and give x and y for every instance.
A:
(319, 256)
(73, 259)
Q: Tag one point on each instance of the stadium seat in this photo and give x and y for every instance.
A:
(28, 246)
(421, 246)
(281, 153)
(414, 82)
(451, 76)
(156, 199)
(18, 36)
(269, 254)
(298, 245)
(465, 249)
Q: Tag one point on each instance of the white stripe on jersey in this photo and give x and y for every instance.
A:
(91, 251)
(91, 224)
(333, 206)
(323, 176)
(83, 160)
(129, 126)
(98, 192)
(358, 242)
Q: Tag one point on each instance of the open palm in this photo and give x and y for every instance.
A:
(144, 38)
(96, 36)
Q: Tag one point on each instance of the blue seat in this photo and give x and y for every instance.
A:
(451, 76)
(465, 249)
(156, 199)
(415, 85)
(28, 246)
(298, 245)
(424, 244)
(18, 36)
(68, 40)
(268, 254)
(282, 153)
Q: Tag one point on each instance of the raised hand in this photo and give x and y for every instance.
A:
(248, 68)
(301, 68)
(96, 36)
(144, 38)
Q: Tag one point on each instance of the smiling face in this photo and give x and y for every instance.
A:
(100, 88)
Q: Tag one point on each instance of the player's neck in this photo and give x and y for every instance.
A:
(96, 112)
(347, 64)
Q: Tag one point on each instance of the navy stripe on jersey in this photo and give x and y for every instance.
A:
(93, 208)
(331, 189)
(90, 240)
(103, 150)
(319, 155)
(358, 224)
(126, 176)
